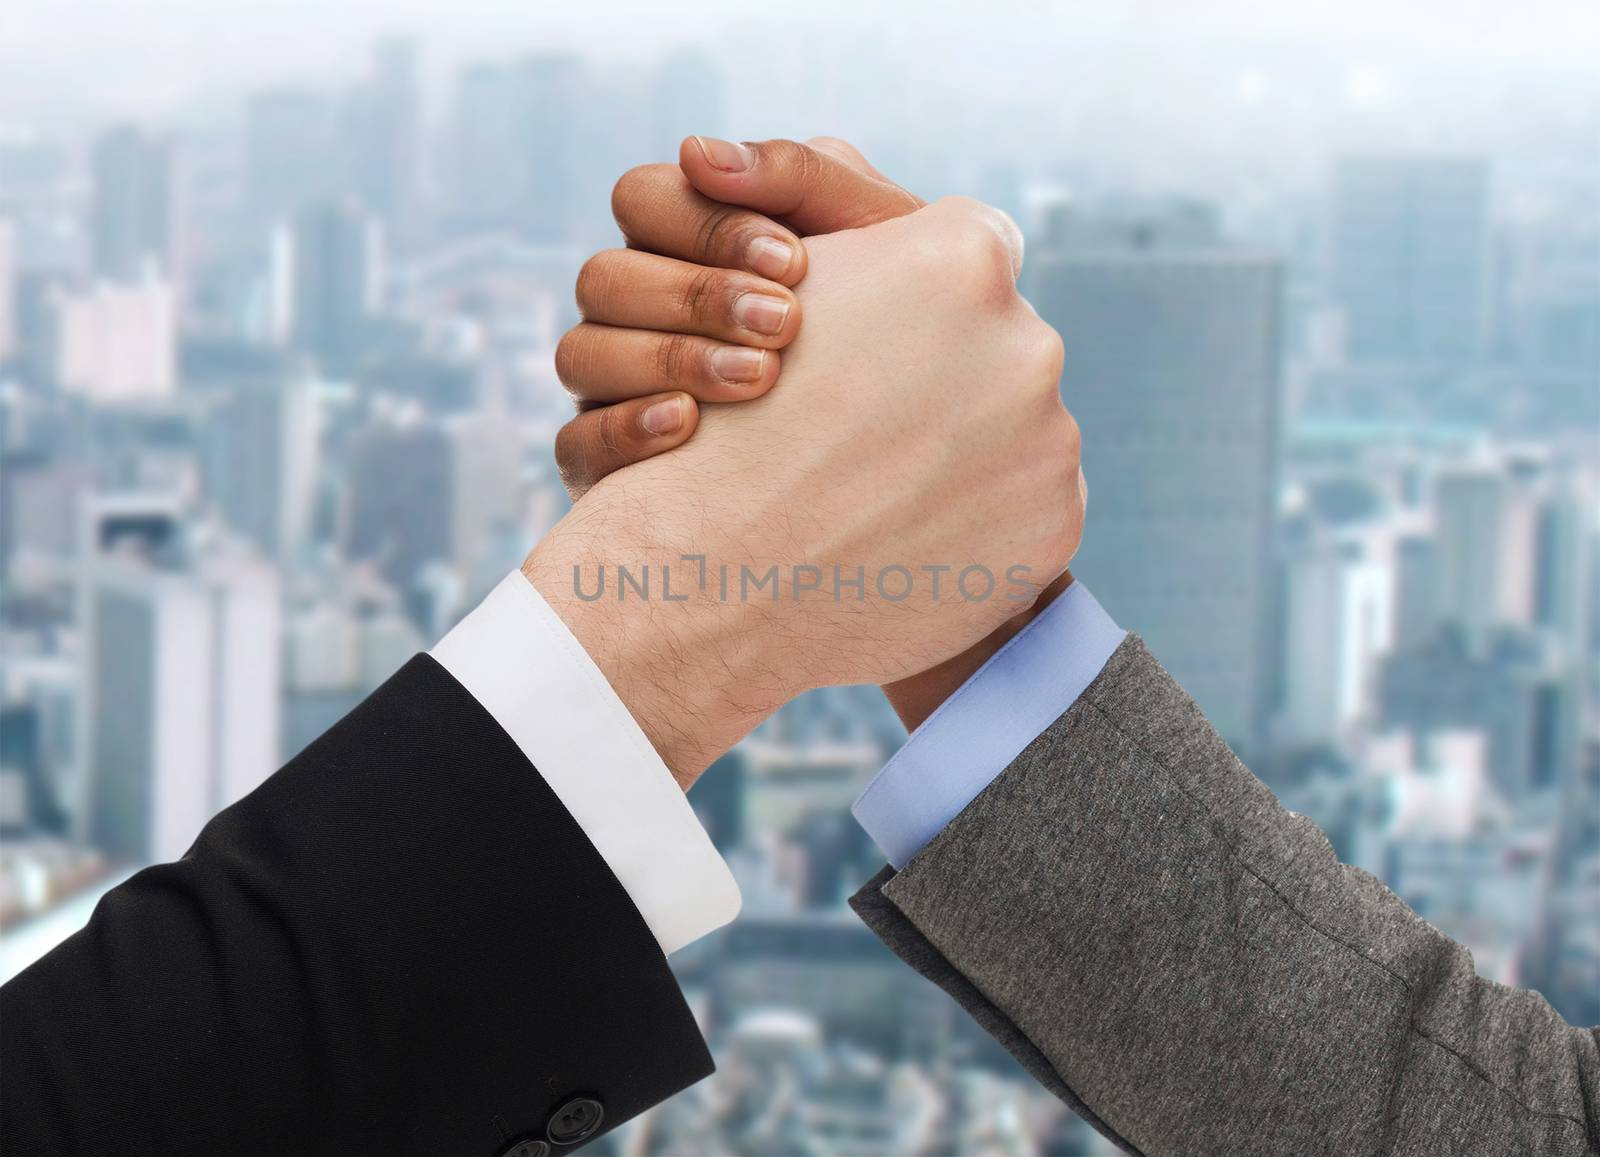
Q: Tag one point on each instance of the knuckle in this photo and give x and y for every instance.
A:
(793, 165)
(594, 280)
(570, 457)
(1051, 353)
(780, 152)
(566, 448)
(699, 293)
(672, 356)
(990, 254)
(826, 142)
(1072, 440)
(959, 213)
(612, 435)
(572, 460)
(1042, 354)
(808, 164)
(978, 241)
(719, 234)
(637, 187)
(568, 357)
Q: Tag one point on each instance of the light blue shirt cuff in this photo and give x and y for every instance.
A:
(977, 732)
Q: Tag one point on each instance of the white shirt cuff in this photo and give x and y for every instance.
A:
(517, 658)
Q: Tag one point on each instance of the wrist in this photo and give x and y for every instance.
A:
(696, 674)
(916, 698)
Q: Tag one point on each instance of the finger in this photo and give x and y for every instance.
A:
(659, 211)
(624, 287)
(599, 442)
(601, 364)
(810, 190)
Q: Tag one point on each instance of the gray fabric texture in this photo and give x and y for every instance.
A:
(908, 944)
(1129, 907)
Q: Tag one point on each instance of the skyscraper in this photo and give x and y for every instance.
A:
(385, 139)
(1410, 251)
(184, 669)
(400, 509)
(517, 130)
(1486, 531)
(483, 144)
(1172, 372)
(262, 456)
(1416, 591)
(132, 223)
(422, 493)
(1338, 623)
(292, 153)
(333, 282)
(553, 141)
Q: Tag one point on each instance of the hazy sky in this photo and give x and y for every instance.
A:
(67, 60)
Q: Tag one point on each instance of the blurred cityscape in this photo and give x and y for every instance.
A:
(277, 403)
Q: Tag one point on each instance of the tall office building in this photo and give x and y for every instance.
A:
(399, 509)
(424, 493)
(8, 290)
(1565, 575)
(183, 719)
(131, 218)
(1564, 604)
(385, 139)
(1173, 375)
(262, 457)
(483, 136)
(114, 343)
(330, 280)
(1410, 252)
(552, 142)
(1416, 591)
(1487, 553)
(1338, 623)
(517, 132)
(292, 154)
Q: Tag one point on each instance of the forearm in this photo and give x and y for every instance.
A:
(346, 961)
(1194, 964)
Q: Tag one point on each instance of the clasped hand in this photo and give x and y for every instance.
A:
(887, 510)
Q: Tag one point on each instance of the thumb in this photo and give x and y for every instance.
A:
(810, 188)
(842, 150)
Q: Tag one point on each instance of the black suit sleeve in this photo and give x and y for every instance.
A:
(401, 943)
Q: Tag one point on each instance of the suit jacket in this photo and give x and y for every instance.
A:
(1190, 967)
(401, 943)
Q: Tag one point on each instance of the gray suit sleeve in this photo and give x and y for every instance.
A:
(1190, 967)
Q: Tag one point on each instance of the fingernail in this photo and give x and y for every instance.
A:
(663, 417)
(736, 363)
(726, 155)
(759, 313)
(770, 257)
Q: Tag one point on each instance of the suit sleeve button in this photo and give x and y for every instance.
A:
(527, 1147)
(577, 1120)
